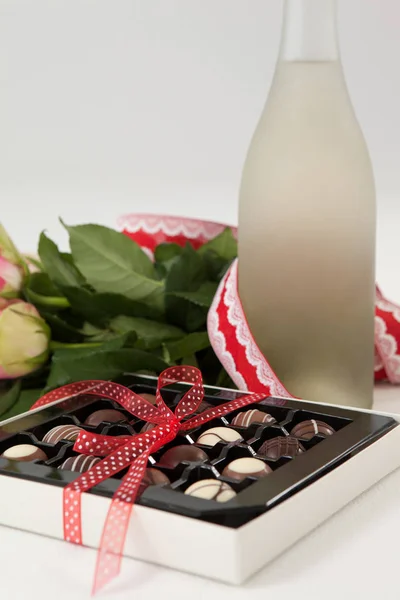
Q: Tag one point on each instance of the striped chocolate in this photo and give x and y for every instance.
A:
(213, 436)
(211, 489)
(248, 417)
(62, 432)
(281, 446)
(308, 429)
(79, 464)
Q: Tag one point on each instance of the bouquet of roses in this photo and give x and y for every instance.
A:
(104, 309)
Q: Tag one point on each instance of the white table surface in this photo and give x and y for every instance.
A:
(354, 553)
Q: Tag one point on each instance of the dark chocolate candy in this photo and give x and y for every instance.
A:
(248, 417)
(172, 457)
(153, 477)
(62, 432)
(281, 446)
(24, 453)
(211, 489)
(108, 415)
(212, 436)
(79, 464)
(308, 429)
(241, 468)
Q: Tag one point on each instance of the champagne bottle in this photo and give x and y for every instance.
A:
(307, 221)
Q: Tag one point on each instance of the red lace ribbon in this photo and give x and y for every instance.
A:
(131, 451)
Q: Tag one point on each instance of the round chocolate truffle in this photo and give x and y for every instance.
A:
(109, 415)
(211, 489)
(24, 453)
(153, 477)
(79, 464)
(248, 417)
(281, 446)
(211, 437)
(308, 429)
(185, 453)
(241, 468)
(62, 432)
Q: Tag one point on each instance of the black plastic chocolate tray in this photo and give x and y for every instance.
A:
(354, 431)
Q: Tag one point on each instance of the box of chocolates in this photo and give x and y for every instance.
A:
(273, 470)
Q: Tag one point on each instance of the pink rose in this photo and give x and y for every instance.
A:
(24, 339)
(11, 267)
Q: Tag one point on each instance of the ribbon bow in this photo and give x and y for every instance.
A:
(130, 451)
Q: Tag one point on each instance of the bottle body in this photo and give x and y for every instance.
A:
(307, 237)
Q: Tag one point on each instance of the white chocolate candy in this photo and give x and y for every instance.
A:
(24, 453)
(211, 437)
(241, 468)
(211, 489)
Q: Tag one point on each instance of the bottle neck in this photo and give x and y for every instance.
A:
(310, 31)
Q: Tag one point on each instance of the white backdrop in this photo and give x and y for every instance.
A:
(111, 106)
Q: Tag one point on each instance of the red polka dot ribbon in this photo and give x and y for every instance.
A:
(129, 452)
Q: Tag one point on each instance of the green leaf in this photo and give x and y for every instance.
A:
(24, 403)
(98, 309)
(215, 266)
(109, 364)
(61, 329)
(113, 263)
(10, 397)
(190, 361)
(167, 252)
(187, 274)
(151, 334)
(195, 342)
(202, 297)
(42, 293)
(224, 245)
(60, 270)
(89, 350)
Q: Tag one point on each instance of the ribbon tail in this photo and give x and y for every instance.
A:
(72, 516)
(117, 522)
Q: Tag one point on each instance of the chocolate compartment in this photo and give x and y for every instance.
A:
(354, 431)
(301, 415)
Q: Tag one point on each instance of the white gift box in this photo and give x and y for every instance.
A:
(329, 475)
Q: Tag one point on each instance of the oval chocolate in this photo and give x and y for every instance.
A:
(107, 415)
(241, 468)
(185, 453)
(153, 477)
(62, 432)
(281, 446)
(80, 463)
(213, 436)
(211, 489)
(24, 453)
(248, 417)
(308, 429)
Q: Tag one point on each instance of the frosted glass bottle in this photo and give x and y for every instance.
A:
(307, 221)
